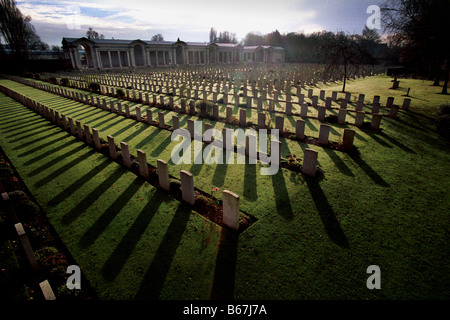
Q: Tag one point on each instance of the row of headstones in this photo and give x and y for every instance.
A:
(279, 123)
(271, 102)
(27, 247)
(211, 72)
(299, 131)
(271, 106)
(230, 200)
(347, 143)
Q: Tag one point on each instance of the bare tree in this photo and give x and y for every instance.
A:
(92, 34)
(226, 37)
(341, 52)
(18, 32)
(420, 29)
(158, 37)
(212, 35)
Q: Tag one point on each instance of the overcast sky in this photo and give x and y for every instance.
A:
(191, 20)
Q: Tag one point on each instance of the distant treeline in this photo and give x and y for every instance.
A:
(307, 47)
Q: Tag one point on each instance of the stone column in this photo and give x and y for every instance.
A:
(187, 187)
(230, 202)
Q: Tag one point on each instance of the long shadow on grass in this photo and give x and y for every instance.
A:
(149, 138)
(65, 168)
(396, 142)
(112, 211)
(42, 146)
(155, 277)
(87, 201)
(129, 126)
(375, 137)
(119, 119)
(162, 146)
(44, 126)
(326, 213)
(52, 162)
(338, 162)
(372, 174)
(117, 260)
(282, 201)
(136, 133)
(27, 124)
(68, 191)
(225, 271)
(250, 185)
(219, 174)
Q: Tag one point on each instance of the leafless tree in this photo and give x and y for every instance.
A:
(18, 32)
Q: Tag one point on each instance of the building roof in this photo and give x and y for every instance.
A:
(128, 42)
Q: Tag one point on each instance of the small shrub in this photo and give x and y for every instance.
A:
(94, 87)
(50, 256)
(331, 118)
(64, 82)
(120, 93)
(53, 80)
(233, 121)
(175, 187)
(294, 162)
(37, 76)
(443, 121)
(204, 108)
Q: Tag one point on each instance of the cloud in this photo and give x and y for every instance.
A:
(177, 18)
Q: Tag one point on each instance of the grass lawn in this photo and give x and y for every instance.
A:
(130, 239)
(314, 239)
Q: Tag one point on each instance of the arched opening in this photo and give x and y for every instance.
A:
(86, 57)
(180, 54)
(139, 55)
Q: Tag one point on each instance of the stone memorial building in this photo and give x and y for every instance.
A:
(111, 53)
